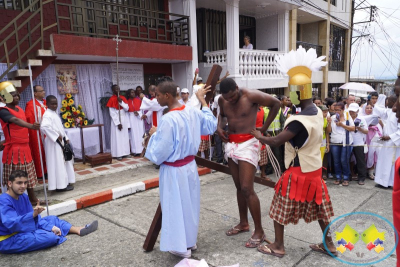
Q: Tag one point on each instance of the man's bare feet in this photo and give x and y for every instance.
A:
(238, 229)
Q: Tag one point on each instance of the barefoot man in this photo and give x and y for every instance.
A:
(239, 108)
(301, 192)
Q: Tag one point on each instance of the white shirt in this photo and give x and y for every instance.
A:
(358, 137)
(215, 104)
(338, 134)
(249, 47)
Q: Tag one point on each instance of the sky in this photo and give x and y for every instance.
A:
(378, 54)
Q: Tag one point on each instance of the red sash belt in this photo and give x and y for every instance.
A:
(180, 162)
(239, 138)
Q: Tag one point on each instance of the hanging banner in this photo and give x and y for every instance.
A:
(130, 75)
(66, 79)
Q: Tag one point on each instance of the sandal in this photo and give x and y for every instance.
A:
(235, 231)
(361, 182)
(337, 182)
(354, 178)
(371, 176)
(267, 250)
(345, 183)
(324, 177)
(321, 249)
(253, 243)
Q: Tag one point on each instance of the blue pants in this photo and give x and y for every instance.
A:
(39, 239)
(341, 160)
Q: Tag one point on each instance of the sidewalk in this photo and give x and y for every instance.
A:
(104, 183)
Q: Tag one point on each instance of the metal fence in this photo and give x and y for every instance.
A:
(105, 19)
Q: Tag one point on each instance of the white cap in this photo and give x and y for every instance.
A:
(185, 90)
(354, 107)
(199, 79)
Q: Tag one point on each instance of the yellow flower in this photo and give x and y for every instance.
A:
(86, 122)
(73, 109)
(79, 107)
(70, 120)
(70, 102)
(64, 116)
(64, 103)
(83, 113)
(68, 113)
(63, 109)
(67, 125)
(78, 111)
(68, 95)
(73, 125)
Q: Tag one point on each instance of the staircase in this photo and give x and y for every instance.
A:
(27, 49)
(39, 61)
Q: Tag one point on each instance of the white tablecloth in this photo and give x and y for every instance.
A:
(90, 137)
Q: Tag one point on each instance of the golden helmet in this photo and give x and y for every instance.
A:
(5, 89)
(299, 65)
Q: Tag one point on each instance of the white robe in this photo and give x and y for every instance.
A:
(60, 172)
(150, 106)
(119, 139)
(178, 136)
(384, 172)
(136, 132)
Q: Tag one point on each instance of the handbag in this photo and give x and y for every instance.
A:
(68, 152)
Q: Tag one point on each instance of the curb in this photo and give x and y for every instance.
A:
(108, 195)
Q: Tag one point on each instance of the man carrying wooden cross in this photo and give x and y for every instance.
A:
(173, 145)
(239, 108)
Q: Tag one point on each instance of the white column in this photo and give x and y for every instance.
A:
(232, 37)
(283, 31)
(189, 9)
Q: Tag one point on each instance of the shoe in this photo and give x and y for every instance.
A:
(157, 167)
(186, 254)
(194, 248)
(68, 188)
(330, 176)
(380, 186)
(119, 158)
(220, 161)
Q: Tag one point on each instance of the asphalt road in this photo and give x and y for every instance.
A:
(123, 224)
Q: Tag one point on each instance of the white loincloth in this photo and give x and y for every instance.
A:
(248, 151)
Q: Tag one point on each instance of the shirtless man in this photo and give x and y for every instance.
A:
(239, 108)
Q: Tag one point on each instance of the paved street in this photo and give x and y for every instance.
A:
(123, 224)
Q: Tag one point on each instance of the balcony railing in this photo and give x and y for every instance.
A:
(252, 63)
(103, 19)
(307, 46)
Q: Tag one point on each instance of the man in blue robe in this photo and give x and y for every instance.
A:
(173, 145)
(21, 227)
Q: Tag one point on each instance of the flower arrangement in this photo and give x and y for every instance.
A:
(71, 115)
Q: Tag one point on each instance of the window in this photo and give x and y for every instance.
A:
(15, 4)
(336, 48)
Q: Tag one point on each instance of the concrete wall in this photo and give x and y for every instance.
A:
(309, 33)
(267, 32)
(179, 75)
(336, 77)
